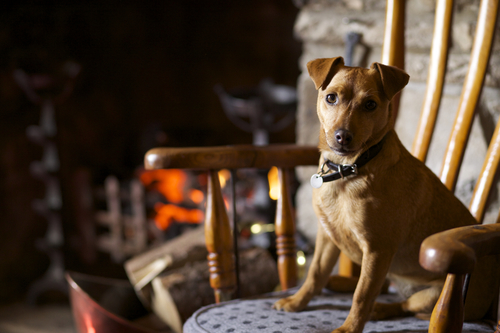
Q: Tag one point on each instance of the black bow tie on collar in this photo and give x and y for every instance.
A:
(343, 170)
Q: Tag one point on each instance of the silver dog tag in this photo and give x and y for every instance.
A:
(316, 181)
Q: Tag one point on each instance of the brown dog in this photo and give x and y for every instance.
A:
(379, 214)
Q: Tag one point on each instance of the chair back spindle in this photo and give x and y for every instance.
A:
(219, 242)
(285, 233)
(484, 183)
(393, 47)
(471, 92)
(435, 79)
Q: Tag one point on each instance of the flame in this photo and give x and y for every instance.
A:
(274, 183)
(196, 196)
(171, 184)
(224, 176)
(166, 214)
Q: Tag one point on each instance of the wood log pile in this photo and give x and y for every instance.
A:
(173, 280)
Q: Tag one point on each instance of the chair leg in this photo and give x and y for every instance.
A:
(448, 314)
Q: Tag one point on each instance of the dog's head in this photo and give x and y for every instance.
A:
(354, 103)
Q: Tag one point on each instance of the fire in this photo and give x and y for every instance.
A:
(171, 183)
(224, 176)
(167, 213)
(196, 196)
(274, 183)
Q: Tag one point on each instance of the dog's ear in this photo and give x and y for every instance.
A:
(323, 70)
(393, 79)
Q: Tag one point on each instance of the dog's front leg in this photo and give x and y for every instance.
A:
(325, 256)
(374, 268)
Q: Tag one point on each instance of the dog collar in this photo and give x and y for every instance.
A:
(339, 171)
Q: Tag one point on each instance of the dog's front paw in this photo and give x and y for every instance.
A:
(343, 329)
(290, 304)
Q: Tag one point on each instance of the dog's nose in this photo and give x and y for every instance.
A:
(343, 137)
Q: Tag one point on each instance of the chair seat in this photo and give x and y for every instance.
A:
(323, 314)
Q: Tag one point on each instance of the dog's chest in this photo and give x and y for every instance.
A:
(345, 206)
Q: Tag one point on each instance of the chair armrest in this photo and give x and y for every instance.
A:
(456, 250)
(232, 157)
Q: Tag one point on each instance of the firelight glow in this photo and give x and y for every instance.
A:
(171, 183)
(256, 228)
(224, 176)
(274, 184)
(166, 214)
(196, 196)
(301, 258)
(88, 324)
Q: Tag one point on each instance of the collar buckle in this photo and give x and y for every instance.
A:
(354, 169)
(339, 170)
(322, 170)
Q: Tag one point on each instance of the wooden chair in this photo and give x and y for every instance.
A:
(453, 251)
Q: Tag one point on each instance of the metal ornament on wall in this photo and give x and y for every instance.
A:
(266, 108)
(46, 170)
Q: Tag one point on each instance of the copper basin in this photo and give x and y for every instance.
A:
(103, 305)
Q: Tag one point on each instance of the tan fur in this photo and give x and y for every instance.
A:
(379, 217)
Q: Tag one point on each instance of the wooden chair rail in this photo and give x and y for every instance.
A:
(232, 157)
(456, 251)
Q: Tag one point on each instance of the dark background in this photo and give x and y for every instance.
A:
(147, 78)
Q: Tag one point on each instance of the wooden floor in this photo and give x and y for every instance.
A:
(22, 318)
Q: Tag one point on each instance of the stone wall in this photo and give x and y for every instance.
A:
(322, 25)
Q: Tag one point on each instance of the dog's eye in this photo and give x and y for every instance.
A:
(371, 105)
(332, 99)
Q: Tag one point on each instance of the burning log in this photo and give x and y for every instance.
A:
(173, 280)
